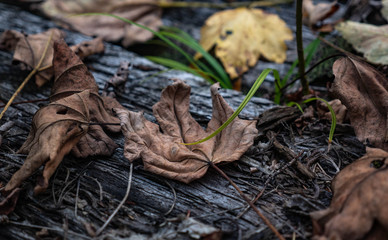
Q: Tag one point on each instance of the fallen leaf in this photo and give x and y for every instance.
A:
(72, 76)
(384, 9)
(87, 48)
(8, 204)
(339, 109)
(364, 92)
(242, 35)
(147, 13)
(313, 15)
(29, 48)
(368, 39)
(118, 80)
(357, 210)
(197, 230)
(56, 129)
(163, 153)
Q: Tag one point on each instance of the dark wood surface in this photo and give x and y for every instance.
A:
(289, 197)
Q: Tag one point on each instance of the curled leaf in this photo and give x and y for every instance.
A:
(29, 48)
(163, 153)
(72, 76)
(56, 129)
(313, 15)
(8, 204)
(364, 92)
(357, 210)
(88, 48)
(242, 35)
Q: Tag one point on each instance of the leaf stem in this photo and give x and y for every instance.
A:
(36, 68)
(299, 45)
(264, 218)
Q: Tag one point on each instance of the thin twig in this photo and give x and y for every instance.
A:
(173, 203)
(28, 101)
(299, 46)
(28, 77)
(48, 228)
(264, 218)
(121, 203)
(76, 198)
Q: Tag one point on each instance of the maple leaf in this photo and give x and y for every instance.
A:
(313, 15)
(242, 35)
(56, 129)
(364, 92)
(371, 40)
(110, 29)
(29, 49)
(72, 76)
(163, 153)
(357, 210)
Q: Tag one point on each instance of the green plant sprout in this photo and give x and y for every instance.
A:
(247, 98)
(333, 116)
(199, 68)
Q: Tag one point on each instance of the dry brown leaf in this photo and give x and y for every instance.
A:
(56, 129)
(242, 35)
(8, 204)
(72, 76)
(368, 39)
(162, 152)
(87, 48)
(313, 15)
(29, 48)
(364, 92)
(357, 210)
(338, 108)
(145, 12)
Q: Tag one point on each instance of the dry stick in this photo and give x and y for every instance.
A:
(174, 202)
(36, 68)
(264, 218)
(29, 101)
(299, 46)
(121, 203)
(49, 228)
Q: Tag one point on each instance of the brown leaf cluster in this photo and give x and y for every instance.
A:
(364, 92)
(65, 124)
(357, 210)
(145, 12)
(28, 50)
(162, 151)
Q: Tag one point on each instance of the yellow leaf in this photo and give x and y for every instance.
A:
(242, 35)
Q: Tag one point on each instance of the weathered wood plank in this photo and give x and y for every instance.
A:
(288, 198)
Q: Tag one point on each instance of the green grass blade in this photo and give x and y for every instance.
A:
(177, 65)
(248, 97)
(166, 40)
(290, 104)
(219, 70)
(333, 117)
